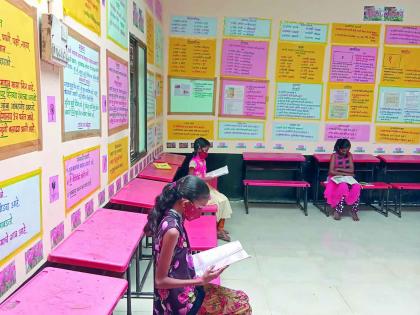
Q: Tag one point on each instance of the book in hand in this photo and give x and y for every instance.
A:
(162, 166)
(219, 172)
(219, 257)
(344, 179)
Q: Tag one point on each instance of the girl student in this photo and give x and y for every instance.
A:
(177, 289)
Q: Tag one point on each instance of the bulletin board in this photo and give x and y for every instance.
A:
(20, 114)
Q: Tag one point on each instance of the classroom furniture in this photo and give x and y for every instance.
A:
(202, 233)
(171, 158)
(65, 292)
(152, 173)
(400, 163)
(107, 241)
(291, 162)
(209, 209)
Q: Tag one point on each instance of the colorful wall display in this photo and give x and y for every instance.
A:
(353, 64)
(191, 96)
(192, 57)
(190, 129)
(20, 115)
(86, 12)
(286, 131)
(20, 213)
(303, 32)
(402, 35)
(398, 105)
(193, 26)
(240, 130)
(117, 29)
(298, 101)
(150, 38)
(350, 102)
(247, 27)
(397, 135)
(300, 62)
(243, 98)
(81, 90)
(158, 46)
(244, 59)
(81, 176)
(357, 133)
(117, 86)
(365, 34)
(400, 67)
(117, 158)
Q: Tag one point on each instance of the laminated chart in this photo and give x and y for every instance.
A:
(117, 29)
(401, 67)
(356, 34)
(397, 135)
(86, 12)
(398, 105)
(150, 38)
(303, 32)
(241, 130)
(402, 35)
(190, 129)
(247, 27)
(199, 26)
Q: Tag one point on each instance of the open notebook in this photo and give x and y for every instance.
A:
(219, 257)
(344, 179)
(219, 172)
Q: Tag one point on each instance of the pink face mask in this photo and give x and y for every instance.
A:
(203, 155)
(191, 212)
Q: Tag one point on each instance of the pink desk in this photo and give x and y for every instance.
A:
(273, 157)
(151, 172)
(56, 291)
(357, 158)
(139, 193)
(170, 158)
(400, 159)
(106, 241)
(202, 232)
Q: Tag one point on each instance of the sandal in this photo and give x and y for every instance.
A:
(337, 215)
(221, 235)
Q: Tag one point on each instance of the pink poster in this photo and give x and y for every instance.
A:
(158, 10)
(246, 59)
(402, 35)
(243, 98)
(117, 94)
(353, 64)
(359, 133)
(82, 175)
(150, 4)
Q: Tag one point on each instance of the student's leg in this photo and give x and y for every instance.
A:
(353, 199)
(338, 210)
(224, 211)
(354, 210)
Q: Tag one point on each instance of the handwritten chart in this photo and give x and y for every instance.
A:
(366, 34)
(192, 57)
(150, 38)
(159, 94)
(401, 67)
(190, 129)
(20, 213)
(117, 22)
(20, 129)
(286, 131)
(151, 96)
(298, 101)
(247, 27)
(117, 158)
(86, 12)
(300, 62)
(402, 35)
(398, 105)
(241, 130)
(357, 133)
(244, 59)
(397, 135)
(303, 32)
(193, 26)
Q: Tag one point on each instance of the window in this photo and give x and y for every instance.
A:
(138, 64)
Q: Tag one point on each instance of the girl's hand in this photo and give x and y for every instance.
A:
(210, 274)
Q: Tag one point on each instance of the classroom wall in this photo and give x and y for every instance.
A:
(57, 222)
(301, 133)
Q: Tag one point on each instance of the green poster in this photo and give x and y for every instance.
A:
(116, 26)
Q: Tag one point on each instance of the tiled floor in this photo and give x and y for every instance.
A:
(315, 265)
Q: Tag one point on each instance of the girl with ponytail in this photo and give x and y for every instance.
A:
(177, 289)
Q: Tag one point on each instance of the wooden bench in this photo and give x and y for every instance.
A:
(400, 187)
(299, 185)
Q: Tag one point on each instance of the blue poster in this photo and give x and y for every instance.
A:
(241, 130)
(117, 29)
(193, 26)
(298, 101)
(303, 32)
(247, 27)
(286, 131)
(398, 105)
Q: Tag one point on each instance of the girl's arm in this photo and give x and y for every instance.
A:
(191, 172)
(162, 281)
(350, 170)
(336, 171)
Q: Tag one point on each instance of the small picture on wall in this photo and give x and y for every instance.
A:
(394, 14)
(373, 13)
(33, 256)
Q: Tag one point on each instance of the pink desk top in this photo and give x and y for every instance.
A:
(202, 232)
(357, 158)
(273, 157)
(107, 241)
(151, 172)
(175, 159)
(139, 193)
(400, 159)
(58, 291)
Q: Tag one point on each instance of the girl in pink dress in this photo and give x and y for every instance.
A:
(341, 164)
(198, 168)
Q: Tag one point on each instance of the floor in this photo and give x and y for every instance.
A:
(315, 265)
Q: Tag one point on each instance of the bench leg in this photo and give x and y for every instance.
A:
(137, 260)
(396, 209)
(305, 201)
(128, 290)
(246, 199)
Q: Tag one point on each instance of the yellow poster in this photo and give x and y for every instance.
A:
(397, 135)
(350, 102)
(365, 34)
(19, 80)
(192, 57)
(150, 38)
(300, 62)
(86, 12)
(117, 158)
(401, 67)
(159, 95)
(190, 129)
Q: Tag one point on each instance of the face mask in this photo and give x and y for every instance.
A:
(203, 155)
(191, 212)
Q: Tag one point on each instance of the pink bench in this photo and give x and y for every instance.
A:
(65, 292)
(202, 233)
(209, 209)
(299, 185)
(400, 187)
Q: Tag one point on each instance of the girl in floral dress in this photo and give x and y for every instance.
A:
(177, 288)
